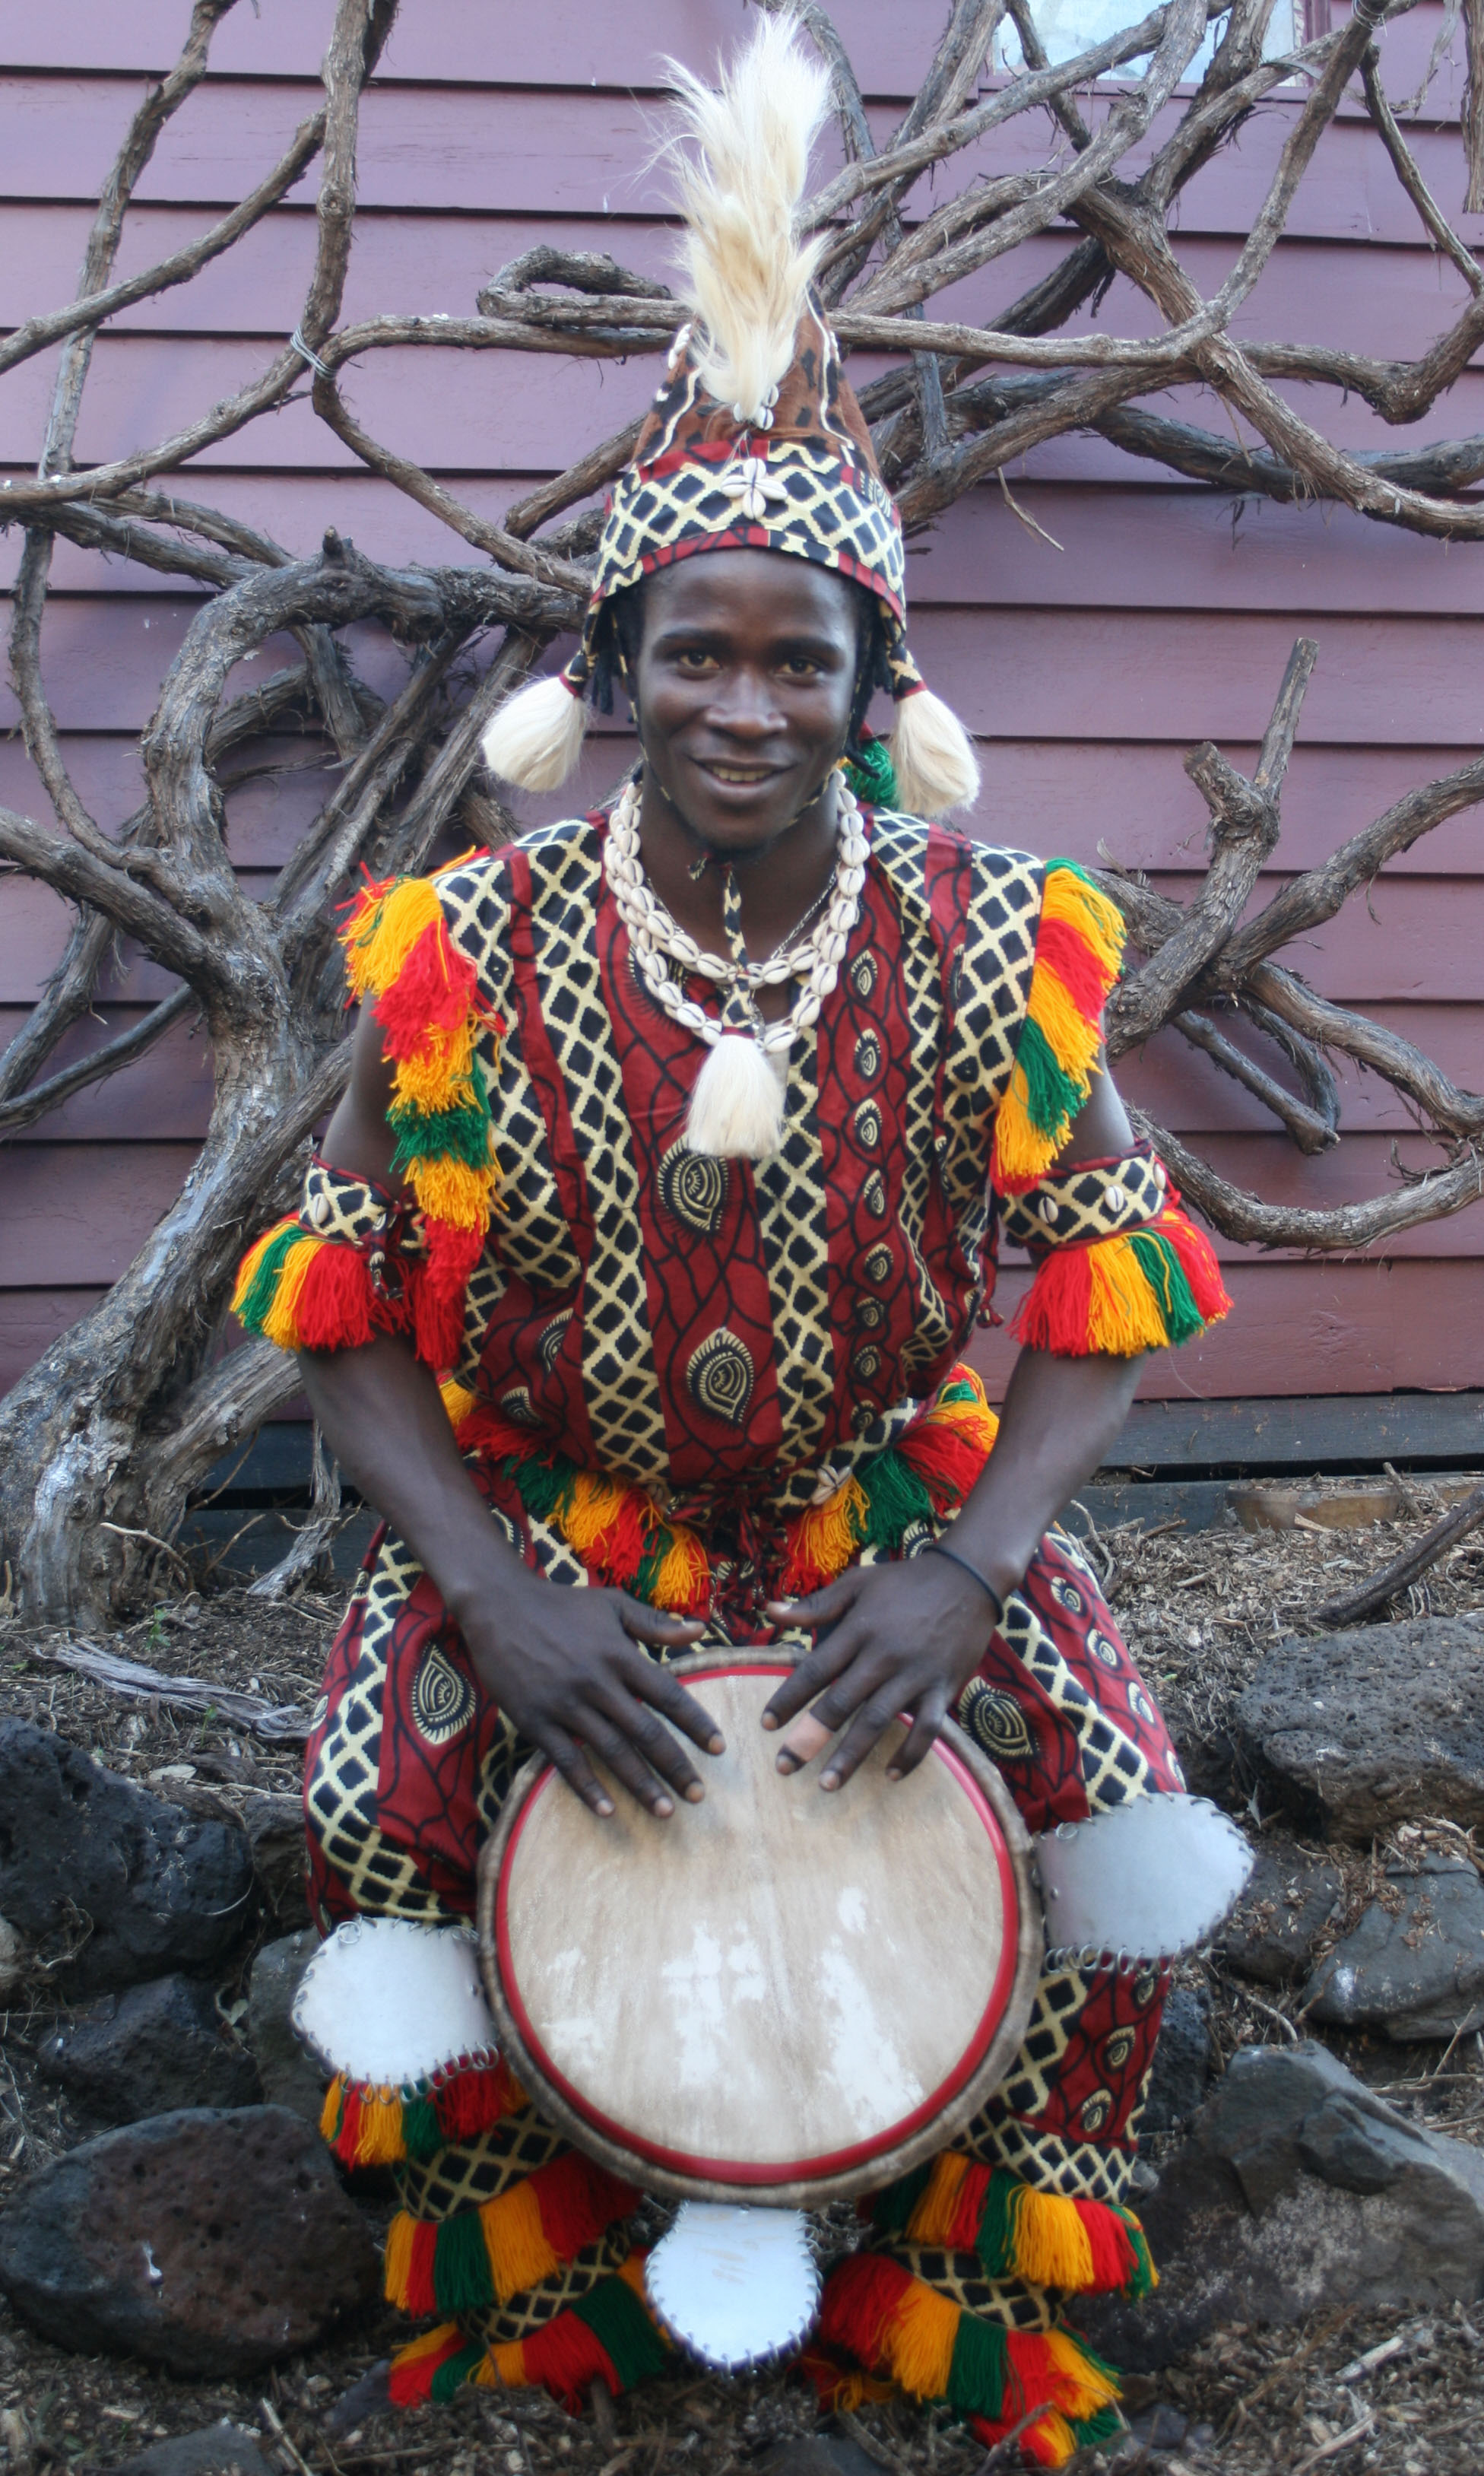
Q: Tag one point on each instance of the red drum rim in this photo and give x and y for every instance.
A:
(831, 2175)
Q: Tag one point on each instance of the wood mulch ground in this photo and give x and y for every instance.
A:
(1396, 2394)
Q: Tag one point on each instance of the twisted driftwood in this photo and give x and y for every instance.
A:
(102, 1441)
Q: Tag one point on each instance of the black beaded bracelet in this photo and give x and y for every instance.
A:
(962, 1562)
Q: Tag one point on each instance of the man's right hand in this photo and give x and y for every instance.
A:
(567, 1669)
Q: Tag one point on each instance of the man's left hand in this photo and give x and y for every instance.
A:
(893, 1640)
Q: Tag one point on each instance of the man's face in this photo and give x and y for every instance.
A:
(744, 682)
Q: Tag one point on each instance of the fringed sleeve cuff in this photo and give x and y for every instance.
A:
(1149, 1288)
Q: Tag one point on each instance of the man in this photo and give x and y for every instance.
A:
(675, 1143)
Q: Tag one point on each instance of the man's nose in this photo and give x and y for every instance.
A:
(744, 704)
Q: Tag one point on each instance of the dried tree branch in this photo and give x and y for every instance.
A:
(1310, 1131)
(1408, 1568)
(124, 1050)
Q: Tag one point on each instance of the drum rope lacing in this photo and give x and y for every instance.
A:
(659, 940)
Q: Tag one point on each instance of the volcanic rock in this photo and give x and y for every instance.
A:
(289, 2077)
(209, 2241)
(1363, 1730)
(275, 1832)
(1297, 2191)
(1290, 1899)
(141, 1886)
(1182, 2063)
(147, 2050)
(1413, 1966)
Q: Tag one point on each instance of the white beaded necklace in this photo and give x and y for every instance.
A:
(737, 1109)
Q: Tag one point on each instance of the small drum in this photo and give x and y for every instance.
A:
(773, 1996)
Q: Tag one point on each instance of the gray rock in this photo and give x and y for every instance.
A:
(1297, 2191)
(1366, 1730)
(1182, 2063)
(85, 1853)
(147, 2050)
(210, 2242)
(275, 1832)
(1290, 1899)
(288, 2076)
(1417, 1973)
(217, 2450)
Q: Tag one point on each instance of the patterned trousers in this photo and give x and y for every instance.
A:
(522, 2245)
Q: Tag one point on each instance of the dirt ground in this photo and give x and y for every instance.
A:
(1398, 2393)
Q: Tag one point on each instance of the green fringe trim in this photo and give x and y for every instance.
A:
(461, 2282)
(1165, 1274)
(455, 2370)
(893, 2206)
(623, 2329)
(979, 2370)
(1051, 1096)
(264, 1288)
(459, 1134)
(895, 1499)
(1094, 2431)
(422, 2135)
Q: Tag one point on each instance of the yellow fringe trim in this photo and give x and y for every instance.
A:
(1058, 2435)
(397, 2262)
(457, 1401)
(594, 1507)
(856, 2390)
(374, 960)
(281, 1324)
(1122, 1314)
(933, 2216)
(508, 2366)
(427, 2345)
(519, 2253)
(632, 2272)
(438, 1076)
(1050, 2244)
(1091, 912)
(449, 1190)
(830, 1533)
(248, 1267)
(329, 2112)
(1089, 2387)
(683, 1568)
(918, 2342)
(1075, 1040)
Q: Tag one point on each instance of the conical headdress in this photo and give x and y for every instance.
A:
(755, 440)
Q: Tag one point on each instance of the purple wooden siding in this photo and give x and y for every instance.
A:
(1165, 619)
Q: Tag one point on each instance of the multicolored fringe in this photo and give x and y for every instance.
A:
(428, 1004)
(1145, 1289)
(1083, 2247)
(608, 2335)
(484, 2256)
(871, 773)
(891, 2322)
(368, 2125)
(1080, 947)
(613, 1527)
(923, 1477)
(310, 1293)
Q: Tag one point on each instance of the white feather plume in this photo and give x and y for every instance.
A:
(742, 153)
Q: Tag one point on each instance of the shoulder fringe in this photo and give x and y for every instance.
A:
(742, 158)
(1080, 947)
(398, 952)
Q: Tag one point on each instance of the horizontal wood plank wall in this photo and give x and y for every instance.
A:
(1165, 617)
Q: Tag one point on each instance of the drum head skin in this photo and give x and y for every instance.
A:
(776, 1995)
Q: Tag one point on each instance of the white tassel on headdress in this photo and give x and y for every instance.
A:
(736, 1109)
(932, 757)
(537, 736)
(748, 271)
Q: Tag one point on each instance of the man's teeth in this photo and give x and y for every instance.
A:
(739, 774)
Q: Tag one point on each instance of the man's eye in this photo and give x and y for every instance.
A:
(799, 666)
(696, 663)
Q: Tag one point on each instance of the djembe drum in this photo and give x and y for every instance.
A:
(770, 2000)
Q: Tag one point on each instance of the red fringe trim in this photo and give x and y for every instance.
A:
(438, 1291)
(1085, 978)
(336, 1307)
(436, 987)
(577, 2200)
(568, 2358)
(408, 2383)
(1056, 1310)
(469, 2103)
(859, 2303)
(945, 1461)
(1197, 1258)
